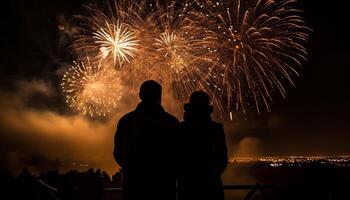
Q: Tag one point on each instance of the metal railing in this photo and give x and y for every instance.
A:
(54, 192)
(252, 189)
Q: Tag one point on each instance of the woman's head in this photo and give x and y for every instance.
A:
(199, 104)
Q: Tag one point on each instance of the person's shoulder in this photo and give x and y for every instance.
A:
(182, 124)
(127, 117)
(169, 117)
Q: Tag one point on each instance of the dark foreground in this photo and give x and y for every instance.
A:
(269, 179)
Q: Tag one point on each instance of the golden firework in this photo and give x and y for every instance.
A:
(116, 41)
(260, 45)
(175, 49)
(242, 52)
(92, 90)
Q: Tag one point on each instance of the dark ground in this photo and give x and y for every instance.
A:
(310, 181)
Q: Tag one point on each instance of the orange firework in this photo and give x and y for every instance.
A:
(242, 52)
(161, 41)
(260, 44)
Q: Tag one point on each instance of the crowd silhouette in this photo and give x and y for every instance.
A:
(53, 185)
(312, 180)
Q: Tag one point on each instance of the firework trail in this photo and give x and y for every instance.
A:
(92, 90)
(242, 52)
(161, 41)
(176, 50)
(104, 38)
(260, 44)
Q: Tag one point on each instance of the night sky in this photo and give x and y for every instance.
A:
(313, 120)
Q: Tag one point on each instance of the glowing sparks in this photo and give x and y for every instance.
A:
(167, 45)
(116, 41)
(242, 52)
(260, 46)
(91, 90)
(171, 48)
(174, 48)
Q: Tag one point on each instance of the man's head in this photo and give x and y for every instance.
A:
(151, 91)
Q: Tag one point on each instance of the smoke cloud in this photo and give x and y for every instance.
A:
(30, 135)
(41, 136)
(248, 147)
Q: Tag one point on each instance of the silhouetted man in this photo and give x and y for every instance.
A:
(202, 152)
(144, 148)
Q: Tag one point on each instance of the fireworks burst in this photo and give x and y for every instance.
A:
(242, 52)
(176, 50)
(117, 42)
(104, 37)
(167, 45)
(260, 45)
(92, 90)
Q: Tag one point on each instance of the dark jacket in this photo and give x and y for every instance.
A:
(144, 150)
(201, 159)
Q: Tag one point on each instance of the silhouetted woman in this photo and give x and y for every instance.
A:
(202, 152)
